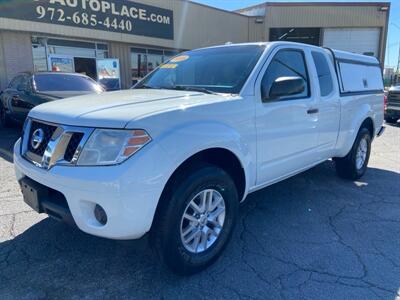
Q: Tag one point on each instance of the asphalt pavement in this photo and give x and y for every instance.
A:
(314, 236)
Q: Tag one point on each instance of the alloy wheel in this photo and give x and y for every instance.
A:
(202, 221)
(361, 154)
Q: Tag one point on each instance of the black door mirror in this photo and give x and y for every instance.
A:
(285, 86)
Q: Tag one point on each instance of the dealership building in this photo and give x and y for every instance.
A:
(127, 39)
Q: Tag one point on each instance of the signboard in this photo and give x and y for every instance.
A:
(61, 63)
(108, 73)
(109, 15)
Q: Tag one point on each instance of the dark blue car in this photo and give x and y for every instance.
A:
(27, 90)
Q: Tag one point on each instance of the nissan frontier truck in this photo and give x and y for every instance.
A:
(176, 154)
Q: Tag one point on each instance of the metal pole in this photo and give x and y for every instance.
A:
(398, 61)
(398, 58)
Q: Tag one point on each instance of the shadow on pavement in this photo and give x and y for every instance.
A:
(8, 137)
(313, 235)
(397, 124)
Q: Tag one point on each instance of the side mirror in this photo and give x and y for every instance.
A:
(285, 86)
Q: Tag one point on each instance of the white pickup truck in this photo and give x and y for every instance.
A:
(176, 154)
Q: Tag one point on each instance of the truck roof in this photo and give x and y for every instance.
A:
(344, 55)
(341, 55)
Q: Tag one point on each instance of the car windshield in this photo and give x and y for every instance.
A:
(220, 70)
(65, 83)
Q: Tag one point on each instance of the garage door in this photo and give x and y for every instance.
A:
(357, 40)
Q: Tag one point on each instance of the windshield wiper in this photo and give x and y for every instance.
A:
(192, 88)
(179, 88)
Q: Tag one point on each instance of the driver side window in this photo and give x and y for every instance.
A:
(24, 84)
(288, 63)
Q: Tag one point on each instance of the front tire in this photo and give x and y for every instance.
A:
(196, 219)
(355, 163)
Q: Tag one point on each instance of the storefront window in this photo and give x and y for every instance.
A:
(154, 59)
(169, 54)
(44, 48)
(101, 50)
(39, 58)
(143, 61)
(81, 52)
(101, 54)
(77, 48)
(300, 35)
(138, 63)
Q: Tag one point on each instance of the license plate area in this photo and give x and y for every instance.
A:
(33, 193)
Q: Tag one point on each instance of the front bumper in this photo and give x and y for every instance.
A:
(128, 192)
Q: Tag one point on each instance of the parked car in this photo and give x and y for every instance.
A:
(110, 84)
(26, 90)
(392, 109)
(175, 155)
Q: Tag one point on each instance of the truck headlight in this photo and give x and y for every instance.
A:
(112, 146)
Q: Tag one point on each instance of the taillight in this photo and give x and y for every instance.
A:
(384, 102)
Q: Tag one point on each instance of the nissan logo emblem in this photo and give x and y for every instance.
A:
(37, 138)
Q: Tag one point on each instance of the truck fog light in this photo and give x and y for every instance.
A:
(100, 214)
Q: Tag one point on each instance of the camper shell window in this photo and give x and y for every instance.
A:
(358, 77)
(357, 74)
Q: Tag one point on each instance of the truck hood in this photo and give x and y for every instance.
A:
(117, 109)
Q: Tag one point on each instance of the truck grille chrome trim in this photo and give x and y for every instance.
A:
(47, 144)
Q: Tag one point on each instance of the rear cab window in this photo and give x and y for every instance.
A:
(325, 79)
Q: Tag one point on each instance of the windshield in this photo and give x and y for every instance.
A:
(220, 69)
(65, 83)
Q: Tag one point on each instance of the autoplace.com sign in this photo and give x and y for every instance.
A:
(109, 15)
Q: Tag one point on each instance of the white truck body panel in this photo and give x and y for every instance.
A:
(272, 141)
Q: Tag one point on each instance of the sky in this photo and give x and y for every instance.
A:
(393, 42)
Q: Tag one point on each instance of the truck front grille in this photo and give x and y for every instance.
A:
(48, 133)
(47, 144)
(73, 145)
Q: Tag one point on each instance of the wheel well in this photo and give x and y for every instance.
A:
(369, 124)
(220, 157)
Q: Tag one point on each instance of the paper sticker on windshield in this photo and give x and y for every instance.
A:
(168, 66)
(180, 58)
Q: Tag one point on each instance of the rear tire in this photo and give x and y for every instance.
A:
(354, 164)
(181, 220)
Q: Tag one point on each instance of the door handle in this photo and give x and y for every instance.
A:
(312, 111)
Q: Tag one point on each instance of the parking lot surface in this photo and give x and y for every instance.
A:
(314, 236)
